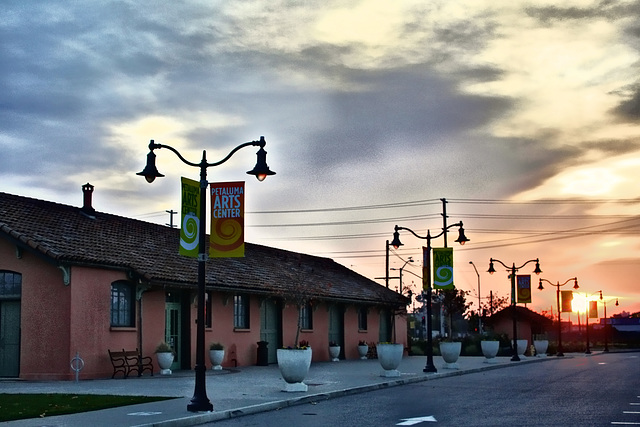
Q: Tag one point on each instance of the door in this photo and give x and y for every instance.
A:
(270, 329)
(9, 338)
(173, 316)
(385, 326)
(336, 327)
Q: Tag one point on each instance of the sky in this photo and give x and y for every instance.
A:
(523, 115)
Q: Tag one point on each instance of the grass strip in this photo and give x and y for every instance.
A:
(23, 406)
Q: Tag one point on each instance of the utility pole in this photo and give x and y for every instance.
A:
(171, 214)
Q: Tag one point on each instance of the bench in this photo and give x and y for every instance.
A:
(128, 362)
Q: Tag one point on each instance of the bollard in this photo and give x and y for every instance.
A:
(77, 364)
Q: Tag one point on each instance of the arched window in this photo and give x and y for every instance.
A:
(122, 304)
(10, 285)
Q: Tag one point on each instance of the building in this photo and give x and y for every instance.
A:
(529, 323)
(74, 280)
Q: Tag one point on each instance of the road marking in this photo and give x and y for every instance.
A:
(144, 414)
(417, 420)
(634, 403)
(623, 423)
(630, 412)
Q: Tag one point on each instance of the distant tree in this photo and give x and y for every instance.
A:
(454, 301)
(494, 303)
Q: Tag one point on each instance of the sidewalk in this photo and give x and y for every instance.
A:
(236, 392)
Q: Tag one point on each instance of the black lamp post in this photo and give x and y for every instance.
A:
(429, 367)
(558, 285)
(200, 402)
(513, 269)
(606, 331)
(588, 350)
(479, 308)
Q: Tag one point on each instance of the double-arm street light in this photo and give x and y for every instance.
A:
(558, 285)
(513, 269)
(200, 402)
(586, 298)
(429, 367)
(606, 330)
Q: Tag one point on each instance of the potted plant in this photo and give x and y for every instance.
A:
(541, 344)
(294, 363)
(521, 348)
(454, 302)
(334, 351)
(390, 356)
(490, 345)
(164, 356)
(216, 355)
(363, 349)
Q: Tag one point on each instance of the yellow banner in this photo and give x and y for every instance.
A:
(190, 225)
(227, 220)
(524, 288)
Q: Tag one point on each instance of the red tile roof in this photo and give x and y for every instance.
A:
(67, 236)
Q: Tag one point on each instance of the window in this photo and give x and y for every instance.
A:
(122, 304)
(306, 318)
(241, 311)
(362, 318)
(10, 284)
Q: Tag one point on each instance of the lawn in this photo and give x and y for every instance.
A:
(22, 406)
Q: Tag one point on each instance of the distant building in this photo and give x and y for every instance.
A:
(77, 280)
(529, 323)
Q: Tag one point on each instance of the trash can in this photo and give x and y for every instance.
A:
(263, 353)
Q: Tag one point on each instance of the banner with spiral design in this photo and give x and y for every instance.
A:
(190, 223)
(227, 220)
(443, 268)
(524, 288)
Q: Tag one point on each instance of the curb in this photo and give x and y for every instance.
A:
(310, 398)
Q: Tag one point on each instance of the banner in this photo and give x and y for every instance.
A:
(566, 298)
(227, 220)
(524, 288)
(443, 268)
(426, 274)
(593, 309)
(190, 218)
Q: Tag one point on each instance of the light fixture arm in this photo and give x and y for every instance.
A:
(203, 163)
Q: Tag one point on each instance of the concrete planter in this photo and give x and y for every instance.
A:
(541, 347)
(362, 351)
(165, 360)
(450, 352)
(294, 365)
(522, 348)
(390, 356)
(334, 353)
(216, 357)
(490, 350)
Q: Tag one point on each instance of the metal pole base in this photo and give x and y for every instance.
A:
(515, 358)
(429, 368)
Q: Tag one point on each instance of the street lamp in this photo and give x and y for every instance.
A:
(606, 341)
(586, 298)
(513, 269)
(429, 367)
(558, 285)
(200, 402)
(402, 268)
(479, 308)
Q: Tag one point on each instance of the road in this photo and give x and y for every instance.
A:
(595, 390)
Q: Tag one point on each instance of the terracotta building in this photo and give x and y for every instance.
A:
(74, 280)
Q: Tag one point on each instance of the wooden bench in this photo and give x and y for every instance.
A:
(128, 362)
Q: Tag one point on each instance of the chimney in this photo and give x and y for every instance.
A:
(87, 190)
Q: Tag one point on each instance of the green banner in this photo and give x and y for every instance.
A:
(443, 268)
(190, 228)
